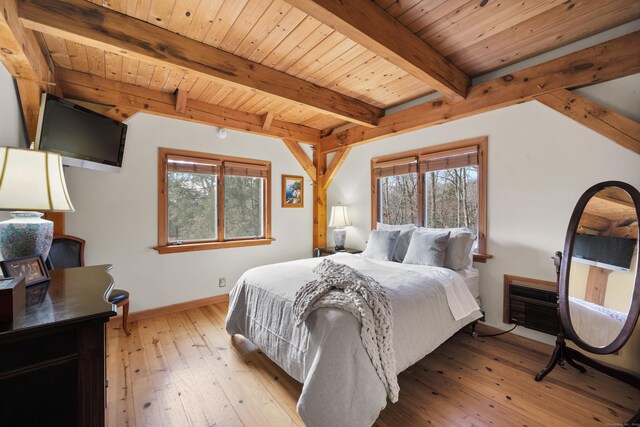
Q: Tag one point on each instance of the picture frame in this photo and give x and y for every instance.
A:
(32, 268)
(292, 191)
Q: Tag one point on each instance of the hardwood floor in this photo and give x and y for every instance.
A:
(184, 370)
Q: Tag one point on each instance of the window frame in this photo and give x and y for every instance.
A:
(164, 246)
(481, 144)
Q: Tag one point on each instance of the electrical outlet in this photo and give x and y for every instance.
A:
(222, 282)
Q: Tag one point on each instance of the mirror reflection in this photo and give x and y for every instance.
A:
(603, 267)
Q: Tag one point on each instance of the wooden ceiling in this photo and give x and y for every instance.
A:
(475, 36)
(610, 212)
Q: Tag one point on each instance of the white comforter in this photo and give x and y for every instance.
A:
(341, 387)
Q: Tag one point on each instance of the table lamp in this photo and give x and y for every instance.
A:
(339, 220)
(31, 182)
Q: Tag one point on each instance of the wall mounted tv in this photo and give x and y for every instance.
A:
(82, 137)
(613, 253)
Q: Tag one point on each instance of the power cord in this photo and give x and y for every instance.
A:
(495, 335)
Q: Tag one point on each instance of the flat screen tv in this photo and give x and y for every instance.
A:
(613, 253)
(82, 137)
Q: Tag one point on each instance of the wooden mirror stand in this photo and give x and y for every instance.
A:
(563, 353)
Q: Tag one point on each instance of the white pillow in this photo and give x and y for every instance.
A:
(459, 247)
(381, 245)
(406, 231)
(427, 248)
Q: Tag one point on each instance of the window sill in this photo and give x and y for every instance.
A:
(481, 257)
(190, 247)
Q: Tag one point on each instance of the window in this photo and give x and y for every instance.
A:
(436, 187)
(206, 201)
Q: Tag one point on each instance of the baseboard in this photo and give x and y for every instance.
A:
(174, 308)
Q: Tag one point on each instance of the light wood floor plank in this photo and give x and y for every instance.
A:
(183, 369)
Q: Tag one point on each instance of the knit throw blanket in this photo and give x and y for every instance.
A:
(340, 286)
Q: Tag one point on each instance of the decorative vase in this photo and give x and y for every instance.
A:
(339, 236)
(26, 234)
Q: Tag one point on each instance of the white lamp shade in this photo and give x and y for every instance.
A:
(32, 180)
(339, 217)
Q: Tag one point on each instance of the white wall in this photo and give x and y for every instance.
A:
(11, 127)
(117, 215)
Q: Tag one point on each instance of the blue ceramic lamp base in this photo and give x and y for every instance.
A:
(26, 234)
(339, 237)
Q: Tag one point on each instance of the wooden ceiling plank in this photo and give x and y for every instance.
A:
(96, 61)
(95, 89)
(267, 44)
(263, 28)
(329, 57)
(558, 26)
(139, 9)
(120, 113)
(57, 51)
(203, 17)
(224, 20)
(301, 157)
(145, 72)
(182, 16)
(159, 78)
(417, 11)
(160, 13)
(609, 60)
(453, 32)
(435, 13)
(618, 128)
(367, 24)
(173, 81)
(129, 69)
(296, 39)
(99, 27)
(302, 48)
(246, 20)
(113, 66)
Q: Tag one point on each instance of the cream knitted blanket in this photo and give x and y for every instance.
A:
(340, 286)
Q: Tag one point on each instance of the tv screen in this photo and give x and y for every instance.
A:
(614, 253)
(82, 137)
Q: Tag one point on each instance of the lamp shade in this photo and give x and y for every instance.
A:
(32, 180)
(339, 217)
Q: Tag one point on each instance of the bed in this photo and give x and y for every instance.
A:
(596, 325)
(340, 385)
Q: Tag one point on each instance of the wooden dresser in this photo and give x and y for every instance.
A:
(52, 357)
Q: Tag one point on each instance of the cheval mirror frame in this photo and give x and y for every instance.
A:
(562, 353)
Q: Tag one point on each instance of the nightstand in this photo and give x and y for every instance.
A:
(317, 252)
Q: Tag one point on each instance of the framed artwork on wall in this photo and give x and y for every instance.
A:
(292, 191)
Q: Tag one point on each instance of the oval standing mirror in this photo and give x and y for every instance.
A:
(599, 285)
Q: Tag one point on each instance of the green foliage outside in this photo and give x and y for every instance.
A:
(192, 213)
(192, 206)
(243, 198)
(451, 198)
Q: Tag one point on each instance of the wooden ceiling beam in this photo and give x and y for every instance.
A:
(613, 59)
(21, 55)
(181, 100)
(130, 97)
(301, 157)
(616, 127)
(334, 167)
(370, 26)
(120, 114)
(267, 119)
(86, 23)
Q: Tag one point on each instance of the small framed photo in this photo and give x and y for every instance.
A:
(292, 191)
(30, 267)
